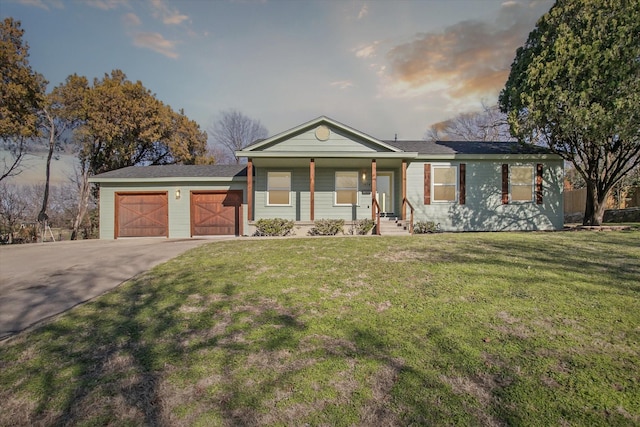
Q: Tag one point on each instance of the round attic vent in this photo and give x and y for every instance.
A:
(322, 133)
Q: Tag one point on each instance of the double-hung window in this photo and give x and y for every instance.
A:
(346, 188)
(521, 182)
(444, 183)
(278, 188)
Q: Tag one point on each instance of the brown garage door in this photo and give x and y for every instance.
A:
(216, 213)
(142, 215)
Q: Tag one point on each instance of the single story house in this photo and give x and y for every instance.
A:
(324, 169)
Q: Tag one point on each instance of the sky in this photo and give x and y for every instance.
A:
(383, 67)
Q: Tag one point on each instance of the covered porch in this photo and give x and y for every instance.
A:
(326, 187)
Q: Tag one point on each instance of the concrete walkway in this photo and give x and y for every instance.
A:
(39, 280)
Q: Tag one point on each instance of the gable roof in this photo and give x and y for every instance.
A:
(322, 120)
(174, 173)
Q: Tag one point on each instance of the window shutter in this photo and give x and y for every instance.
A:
(427, 183)
(463, 183)
(505, 183)
(539, 183)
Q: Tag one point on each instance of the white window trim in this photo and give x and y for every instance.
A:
(335, 189)
(435, 166)
(269, 189)
(532, 183)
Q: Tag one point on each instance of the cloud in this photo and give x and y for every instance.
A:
(167, 15)
(364, 11)
(469, 59)
(131, 20)
(43, 4)
(366, 51)
(107, 4)
(157, 43)
(342, 84)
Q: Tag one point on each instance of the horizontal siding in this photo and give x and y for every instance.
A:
(307, 141)
(179, 209)
(483, 210)
(299, 210)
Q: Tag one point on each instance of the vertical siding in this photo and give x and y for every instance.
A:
(483, 210)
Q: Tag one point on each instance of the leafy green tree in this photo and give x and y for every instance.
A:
(21, 96)
(121, 123)
(575, 85)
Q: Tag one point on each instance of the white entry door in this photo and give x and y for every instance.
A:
(384, 192)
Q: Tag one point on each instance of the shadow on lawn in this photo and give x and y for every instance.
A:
(103, 363)
(586, 257)
(109, 362)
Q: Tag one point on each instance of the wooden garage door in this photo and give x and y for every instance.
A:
(142, 215)
(216, 213)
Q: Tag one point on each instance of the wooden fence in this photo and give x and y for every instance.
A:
(575, 200)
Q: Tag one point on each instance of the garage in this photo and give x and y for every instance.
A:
(173, 201)
(144, 214)
(216, 213)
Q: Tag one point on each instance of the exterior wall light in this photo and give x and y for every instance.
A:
(178, 194)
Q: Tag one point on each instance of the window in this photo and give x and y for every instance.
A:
(521, 181)
(444, 183)
(278, 188)
(346, 188)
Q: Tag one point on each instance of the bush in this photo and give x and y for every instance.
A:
(327, 227)
(423, 227)
(273, 227)
(362, 226)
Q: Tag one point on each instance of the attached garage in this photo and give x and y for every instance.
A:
(173, 201)
(216, 213)
(142, 215)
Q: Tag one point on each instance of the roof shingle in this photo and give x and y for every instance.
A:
(177, 171)
(467, 147)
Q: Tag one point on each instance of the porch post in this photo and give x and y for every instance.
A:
(250, 189)
(373, 188)
(404, 189)
(312, 188)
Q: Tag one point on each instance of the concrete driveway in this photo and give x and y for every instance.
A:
(38, 280)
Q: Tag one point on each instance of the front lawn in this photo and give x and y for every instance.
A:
(456, 329)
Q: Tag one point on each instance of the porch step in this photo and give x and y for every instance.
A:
(391, 226)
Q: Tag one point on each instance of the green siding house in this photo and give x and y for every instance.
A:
(323, 169)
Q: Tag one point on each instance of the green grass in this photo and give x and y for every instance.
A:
(455, 329)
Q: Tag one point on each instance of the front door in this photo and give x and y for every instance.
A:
(384, 192)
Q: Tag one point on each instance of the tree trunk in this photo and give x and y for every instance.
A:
(42, 215)
(83, 202)
(595, 207)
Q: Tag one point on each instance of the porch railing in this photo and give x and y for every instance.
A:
(406, 203)
(376, 214)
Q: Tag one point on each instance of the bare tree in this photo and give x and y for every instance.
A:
(83, 187)
(486, 125)
(12, 211)
(53, 127)
(234, 131)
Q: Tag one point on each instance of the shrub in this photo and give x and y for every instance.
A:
(273, 227)
(327, 227)
(362, 226)
(423, 227)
